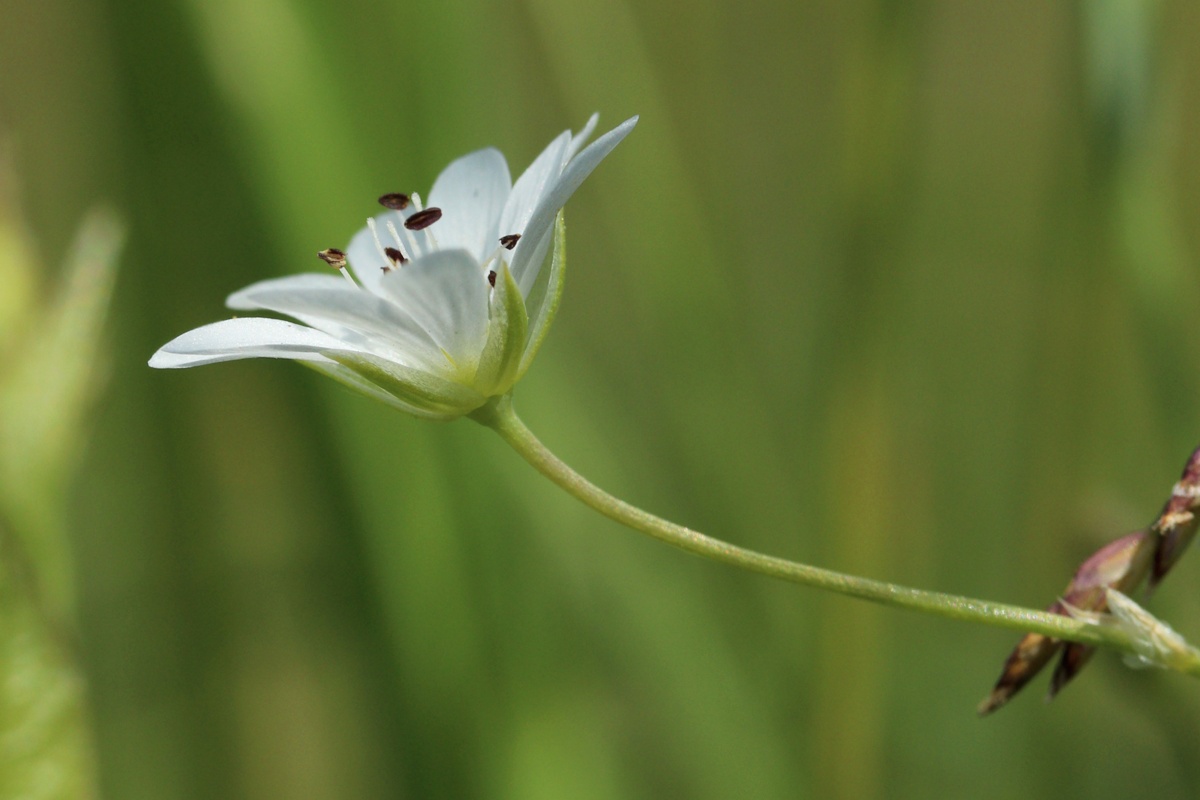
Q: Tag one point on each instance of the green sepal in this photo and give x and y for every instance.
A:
(546, 296)
(507, 330)
(416, 391)
(359, 385)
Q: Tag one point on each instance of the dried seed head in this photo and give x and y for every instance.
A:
(395, 201)
(1118, 565)
(1074, 658)
(1176, 524)
(333, 257)
(510, 241)
(1032, 653)
(423, 219)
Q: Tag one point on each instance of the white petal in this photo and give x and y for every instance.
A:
(471, 193)
(304, 280)
(535, 239)
(357, 317)
(581, 137)
(534, 183)
(446, 293)
(244, 338)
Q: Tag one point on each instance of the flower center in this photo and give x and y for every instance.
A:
(405, 245)
(393, 255)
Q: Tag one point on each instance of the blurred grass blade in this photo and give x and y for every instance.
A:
(45, 751)
(48, 377)
(49, 383)
(16, 268)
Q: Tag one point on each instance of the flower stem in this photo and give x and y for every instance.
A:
(499, 415)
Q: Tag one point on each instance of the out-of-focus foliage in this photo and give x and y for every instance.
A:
(898, 288)
(49, 350)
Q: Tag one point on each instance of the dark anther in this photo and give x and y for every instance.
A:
(394, 255)
(333, 257)
(492, 278)
(423, 219)
(510, 241)
(395, 200)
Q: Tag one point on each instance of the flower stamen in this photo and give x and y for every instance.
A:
(408, 240)
(378, 244)
(418, 207)
(395, 256)
(421, 220)
(395, 201)
(337, 259)
(487, 262)
(507, 242)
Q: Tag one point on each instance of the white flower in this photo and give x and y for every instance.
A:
(448, 310)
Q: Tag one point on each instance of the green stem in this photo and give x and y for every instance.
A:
(499, 415)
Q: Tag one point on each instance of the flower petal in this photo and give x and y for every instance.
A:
(244, 338)
(446, 294)
(581, 137)
(535, 239)
(534, 183)
(356, 317)
(303, 280)
(471, 193)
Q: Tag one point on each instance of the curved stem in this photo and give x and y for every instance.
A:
(499, 415)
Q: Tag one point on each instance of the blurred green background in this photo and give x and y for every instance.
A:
(905, 289)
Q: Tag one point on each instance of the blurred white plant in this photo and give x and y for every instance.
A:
(448, 310)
